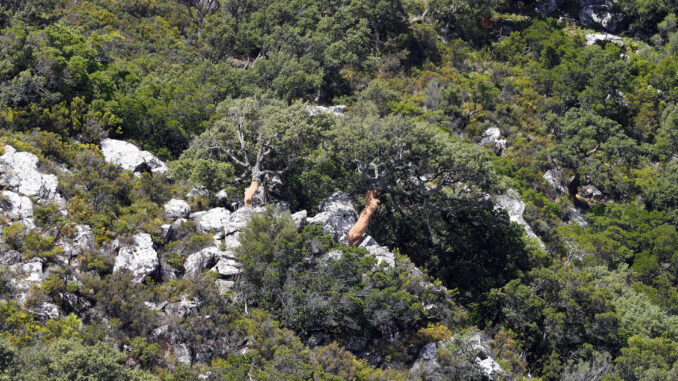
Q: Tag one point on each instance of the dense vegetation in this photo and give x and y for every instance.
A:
(221, 90)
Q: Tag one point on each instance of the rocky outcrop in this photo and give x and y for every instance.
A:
(475, 347)
(590, 191)
(177, 209)
(594, 38)
(139, 258)
(492, 139)
(81, 241)
(45, 311)
(128, 156)
(210, 257)
(557, 186)
(599, 13)
(337, 111)
(19, 173)
(336, 216)
(227, 267)
(515, 207)
(211, 221)
(17, 207)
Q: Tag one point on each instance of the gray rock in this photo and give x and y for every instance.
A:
(515, 207)
(199, 191)
(572, 215)
(177, 209)
(222, 196)
(140, 258)
(490, 368)
(170, 231)
(31, 272)
(10, 257)
(15, 206)
(182, 353)
(45, 311)
(557, 186)
(240, 218)
(232, 241)
(211, 221)
(224, 286)
(198, 262)
(336, 216)
(383, 254)
(337, 111)
(600, 14)
(128, 156)
(182, 308)
(19, 173)
(299, 218)
(227, 267)
(492, 139)
(590, 191)
(82, 241)
(594, 38)
(476, 344)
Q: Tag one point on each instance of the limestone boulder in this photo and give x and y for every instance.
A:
(211, 221)
(128, 156)
(594, 38)
(337, 216)
(515, 207)
(337, 111)
(19, 173)
(17, 207)
(198, 262)
(139, 258)
(175, 209)
(492, 139)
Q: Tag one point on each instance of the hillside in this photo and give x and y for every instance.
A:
(338, 190)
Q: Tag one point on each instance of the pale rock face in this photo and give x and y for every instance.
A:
(427, 363)
(17, 207)
(199, 191)
(240, 218)
(232, 241)
(19, 173)
(336, 216)
(554, 178)
(198, 262)
(337, 111)
(492, 139)
(299, 218)
(10, 257)
(128, 156)
(140, 258)
(599, 13)
(177, 209)
(382, 253)
(515, 207)
(45, 311)
(591, 191)
(83, 241)
(224, 286)
(182, 353)
(594, 38)
(182, 308)
(227, 267)
(211, 221)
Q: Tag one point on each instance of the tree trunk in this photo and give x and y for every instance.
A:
(360, 227)
(249, 192)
